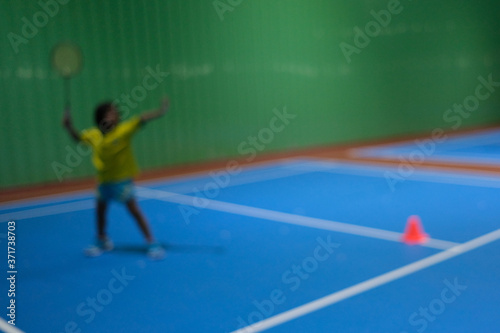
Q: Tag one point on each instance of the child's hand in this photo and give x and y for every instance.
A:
(147, 116)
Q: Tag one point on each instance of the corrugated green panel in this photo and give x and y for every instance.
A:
(227, 76)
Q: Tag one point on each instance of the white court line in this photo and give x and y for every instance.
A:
(238, 180)
(370, 284)
(49, 199)
(465, 158)
(161, 181)
(90, 203)
(302, 166)
(48, 210)
(8, 328)
(255, 166)
(304, 221)
(457, 140)
(439, 177)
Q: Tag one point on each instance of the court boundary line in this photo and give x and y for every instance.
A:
(281, 161)
(282, 217)
(60, 208)
(74, 206)
(451, 136)
(147, 181)
(51, 198)
(271, 174)
(328, 166)
(8, 328)
(464, 159)
(370, 284)
(391, 151)
(419, 175)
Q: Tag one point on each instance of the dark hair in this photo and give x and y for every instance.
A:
(100, 114)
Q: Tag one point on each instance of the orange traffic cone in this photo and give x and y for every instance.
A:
(414, 233)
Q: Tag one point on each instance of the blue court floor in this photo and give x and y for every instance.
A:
(478, 148)
(296, 245)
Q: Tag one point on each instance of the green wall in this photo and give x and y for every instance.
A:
(227, 76)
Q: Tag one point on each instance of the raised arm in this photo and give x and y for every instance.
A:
(147, 116)
(68, 125)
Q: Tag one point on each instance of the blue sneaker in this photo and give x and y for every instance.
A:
(156, 251)
(99, 247)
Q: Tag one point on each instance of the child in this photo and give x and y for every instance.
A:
(116, 167)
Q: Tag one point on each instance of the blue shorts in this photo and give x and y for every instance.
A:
(121, 191)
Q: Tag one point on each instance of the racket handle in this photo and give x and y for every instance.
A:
(67, 94)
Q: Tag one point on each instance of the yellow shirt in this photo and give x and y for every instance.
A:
(113, 157)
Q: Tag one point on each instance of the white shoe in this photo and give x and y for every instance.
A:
(156, 251)
(99, 247)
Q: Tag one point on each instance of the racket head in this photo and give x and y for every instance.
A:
(67, 59)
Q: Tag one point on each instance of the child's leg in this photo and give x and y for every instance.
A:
(102, 207)
(141, 221)
(102, 243)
